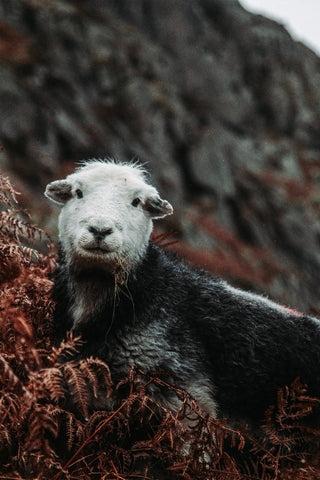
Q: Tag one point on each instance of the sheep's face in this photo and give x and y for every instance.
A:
(106, 216)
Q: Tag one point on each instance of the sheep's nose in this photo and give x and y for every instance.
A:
(100, 233)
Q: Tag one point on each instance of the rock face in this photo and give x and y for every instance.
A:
(223, 105)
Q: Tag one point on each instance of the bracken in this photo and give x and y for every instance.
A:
(49, 429)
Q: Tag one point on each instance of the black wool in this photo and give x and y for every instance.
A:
(230, 350)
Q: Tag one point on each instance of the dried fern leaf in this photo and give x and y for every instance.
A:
(26, 254)
(71, 425)
(67, 348)
(78, 387)
(7, 192)
(12, 225)
(54, 383)
(7, 375)
(98, 374)
(40, 423)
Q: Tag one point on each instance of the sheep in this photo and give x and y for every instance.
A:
(137, 305)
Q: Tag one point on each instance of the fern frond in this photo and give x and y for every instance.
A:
(69, 424)
(54, 383)
(78, 387)
(40, 423)
(23, 326)
(74, 431)
(98, 374)
(7, 192)
(95, 421)
(67, 348)
(7, 375)
(12, 225)
(9, 406)
(25, 254)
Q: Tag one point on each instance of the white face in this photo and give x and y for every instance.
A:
(106, 216)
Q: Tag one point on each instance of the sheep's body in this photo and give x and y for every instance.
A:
(230, 350)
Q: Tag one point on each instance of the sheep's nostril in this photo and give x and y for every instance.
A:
(93, 230)
(100, 233)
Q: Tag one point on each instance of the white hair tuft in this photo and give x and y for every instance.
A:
(134, 165)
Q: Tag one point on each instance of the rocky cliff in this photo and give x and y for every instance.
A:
(222, 105)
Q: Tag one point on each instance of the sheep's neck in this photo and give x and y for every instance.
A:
(97, 296)
(90, 293)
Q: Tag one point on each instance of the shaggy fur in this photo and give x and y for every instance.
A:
(231, 350)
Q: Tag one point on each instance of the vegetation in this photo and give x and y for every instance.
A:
(50, 429)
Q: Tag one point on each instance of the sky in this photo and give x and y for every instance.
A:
(301, 17)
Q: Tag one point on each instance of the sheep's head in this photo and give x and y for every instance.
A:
(106, 216)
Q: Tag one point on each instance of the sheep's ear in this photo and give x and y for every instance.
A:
(156, 207)
(59, 191)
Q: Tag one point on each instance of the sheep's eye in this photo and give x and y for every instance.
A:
(79, 193)
(135, 202)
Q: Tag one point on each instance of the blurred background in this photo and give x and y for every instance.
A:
(223, 106)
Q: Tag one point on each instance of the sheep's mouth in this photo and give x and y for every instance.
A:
(97, 249)
(97, 257)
